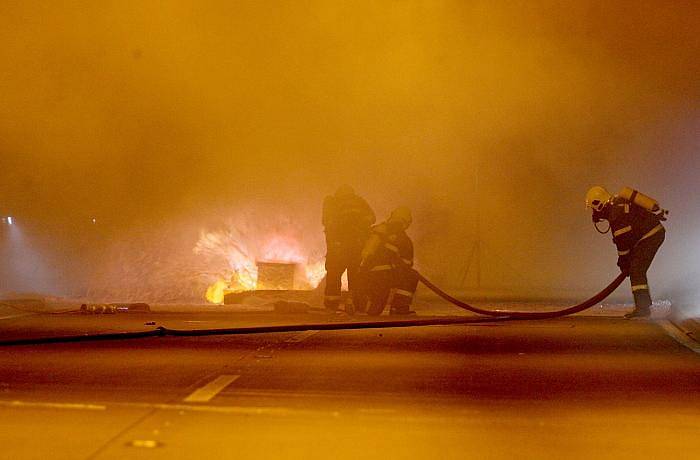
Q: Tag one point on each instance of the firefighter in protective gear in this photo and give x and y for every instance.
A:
(347, 220)
(637, 232)
(387, 259)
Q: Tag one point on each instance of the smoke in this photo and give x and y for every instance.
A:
(488, 119)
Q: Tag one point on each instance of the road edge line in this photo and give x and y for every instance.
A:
(679, 335)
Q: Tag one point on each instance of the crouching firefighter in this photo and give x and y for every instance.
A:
(635, 222)
(387, 259)
(347, 219)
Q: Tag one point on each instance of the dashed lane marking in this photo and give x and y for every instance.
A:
(679, 336)
(211, 389)
(300, 337)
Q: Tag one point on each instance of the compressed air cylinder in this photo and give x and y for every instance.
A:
(639, 199)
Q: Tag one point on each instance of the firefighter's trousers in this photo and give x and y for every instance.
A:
(641, 257)
(392, 288)
(340, 256)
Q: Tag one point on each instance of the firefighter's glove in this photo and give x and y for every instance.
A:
(624, 263)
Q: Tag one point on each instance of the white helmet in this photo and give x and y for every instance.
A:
(596, 198)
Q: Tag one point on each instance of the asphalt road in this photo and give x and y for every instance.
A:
(579, 387)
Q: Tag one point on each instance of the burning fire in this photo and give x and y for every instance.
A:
(236, 252)
(215, 292)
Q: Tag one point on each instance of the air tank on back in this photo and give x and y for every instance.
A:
(640, 199)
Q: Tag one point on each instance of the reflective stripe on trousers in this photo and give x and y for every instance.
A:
(652, 232)
(392, 301)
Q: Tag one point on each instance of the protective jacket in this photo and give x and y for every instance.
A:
(388, 247)
(346, 218)
(630, 224)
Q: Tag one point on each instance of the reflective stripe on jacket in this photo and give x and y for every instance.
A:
(631, 224)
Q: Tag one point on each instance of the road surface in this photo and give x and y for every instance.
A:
(578, 387)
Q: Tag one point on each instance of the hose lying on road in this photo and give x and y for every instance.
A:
(528, 314)
(164, 331)
(491, 316)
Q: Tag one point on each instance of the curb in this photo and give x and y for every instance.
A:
(683, 332)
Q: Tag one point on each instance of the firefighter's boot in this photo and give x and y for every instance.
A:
(642, 303)
(400, 301)
(349, 306)
(331, 302)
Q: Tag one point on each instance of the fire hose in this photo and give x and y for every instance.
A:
(599, 297)
(487, 316)
(162, 331)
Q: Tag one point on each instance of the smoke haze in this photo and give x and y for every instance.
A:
(489, 119)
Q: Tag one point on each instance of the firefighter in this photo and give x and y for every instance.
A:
(387, 259)
(635, 222)
(347, 220)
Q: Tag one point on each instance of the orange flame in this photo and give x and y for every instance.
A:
(240, 253)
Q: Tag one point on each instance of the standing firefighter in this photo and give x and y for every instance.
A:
(347, 219)
(387, 259)
(635, 221)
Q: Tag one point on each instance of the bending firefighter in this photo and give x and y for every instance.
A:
(347, 219)
(635, 221)
(387, 258)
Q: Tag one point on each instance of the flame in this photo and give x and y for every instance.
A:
(244, 280)
(282, 249)
(315, 273)
(215, 292)
(235, 252)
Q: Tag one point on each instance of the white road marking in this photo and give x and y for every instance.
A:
(243, 410)
(182, 408)
(211, 389)
(300, 337)
(679, 336)
(52, 405)
(145, 443)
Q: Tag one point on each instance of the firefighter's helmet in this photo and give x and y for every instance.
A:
(596, 198)
(344, 191)
(401, 214)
